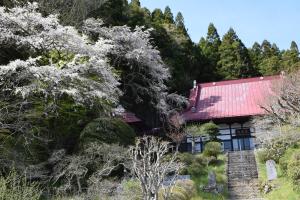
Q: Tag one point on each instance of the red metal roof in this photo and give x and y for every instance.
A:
(225, 99)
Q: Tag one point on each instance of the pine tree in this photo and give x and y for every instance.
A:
(290, 58)
(179, 22)
(135, 3)
(266, 49)
(275, 51)
(294, 47)
(255, 54)
(210, 49)
(138, 16)
(157, 16)
(234, 58)
(271, 59)
(113, 12)
(213, 37)
(270, 66)
(213, 43)
(169, 18)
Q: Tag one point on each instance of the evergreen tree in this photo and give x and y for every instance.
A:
(271, 59)
(202, 43)
(210, 49)
(168, 16)
(275, 51)
(135, 3)
(138, 16)
(290, 58)
(113, 12)
(213, 43)
(179, 22)
(270, 66)
(294, 47)
(157, 16)
(256, 54)
(213, 37)
(234, 58)
(266, 49)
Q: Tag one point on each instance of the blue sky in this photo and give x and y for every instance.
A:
(253, 20)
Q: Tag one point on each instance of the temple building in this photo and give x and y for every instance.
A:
(231, 105)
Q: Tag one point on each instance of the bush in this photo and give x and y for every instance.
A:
(212, 149)
(183, 190)
(189, 187)
(186, 158)
(131, 190)
(284, 161)
(277, 147)
(201, 160)
(283, 164)
(293, 170)
(196, 169)
(262, 155)
(15, 187)
(108, 130)
(210, 129)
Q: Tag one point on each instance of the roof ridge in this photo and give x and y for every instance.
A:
(237, 81)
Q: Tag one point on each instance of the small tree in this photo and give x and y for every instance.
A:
(194, 131)
(212, 149)
(174, 129)
(210, 129)
(150, 165)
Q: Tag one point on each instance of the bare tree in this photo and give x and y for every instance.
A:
(175, 129)
(283, 105)
(72, 170)
(151, 165)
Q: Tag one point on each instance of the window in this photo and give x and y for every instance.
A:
(242, 132)
(198, 147)
(227, 145)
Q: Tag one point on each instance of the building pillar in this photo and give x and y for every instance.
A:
(231, 137)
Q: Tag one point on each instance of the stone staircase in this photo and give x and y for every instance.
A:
(242, 176)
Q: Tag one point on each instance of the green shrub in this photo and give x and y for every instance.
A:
(15, 187)
(283, 164)
(183, 190)
(108, 130)
(285, 159)
(293, 170)
(212, 149)
(196, 169)
(210, 129)
(132, 190)
(201, 159)
(188, 186)
(277, 147)
(178, 193)
(186, 158)
(262, 155)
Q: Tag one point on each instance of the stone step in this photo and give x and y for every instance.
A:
(235, 168)
(242, 172)
(242, 176)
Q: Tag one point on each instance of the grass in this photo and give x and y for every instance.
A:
(283, 186)
(221, 178)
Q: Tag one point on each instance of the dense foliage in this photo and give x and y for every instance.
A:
(212, 149)
(60, 87)
(211, 59)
